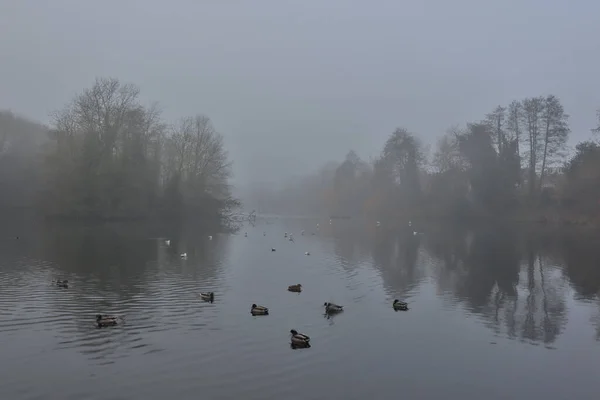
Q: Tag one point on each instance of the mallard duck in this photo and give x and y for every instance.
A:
(259, 310)
(62, 284)
(295, 288)
(399, 305)
(207, 296)
(106, 320)
(299, 339)
(333, 308)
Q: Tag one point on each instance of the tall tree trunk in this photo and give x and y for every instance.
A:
(544, 155)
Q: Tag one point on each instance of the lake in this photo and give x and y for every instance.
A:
(495, 313)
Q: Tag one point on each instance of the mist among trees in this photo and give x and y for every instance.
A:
(514, 161)
(108, 156)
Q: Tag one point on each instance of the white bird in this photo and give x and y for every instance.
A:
(415, 233)
(168, 242)
(210, 238)
(183, 255)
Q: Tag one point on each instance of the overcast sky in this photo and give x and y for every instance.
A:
(292, 84)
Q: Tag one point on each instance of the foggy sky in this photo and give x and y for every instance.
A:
(292, 84)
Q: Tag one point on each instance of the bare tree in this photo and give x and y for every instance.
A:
(533, 109)
(197, 163)
(447, 154)
(513, 122)
(555, 133)
(497, 120)
(596, 130)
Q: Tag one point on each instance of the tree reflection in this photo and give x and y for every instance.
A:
(504, 276)
(351, 243)
(581, 254)
(395, 255)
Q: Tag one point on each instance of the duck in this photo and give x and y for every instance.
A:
(207, 296)
(168, 242)
(62, 283)
(400, 305)
(272, 248)
(295, 288)
(259, 310)
(302, 232)
(183, 255)
(306, 253)
(264, 233)
(285, 234)
(331, 308)
(106, 320)
(246, 234)
(299, 339)
(210, 238)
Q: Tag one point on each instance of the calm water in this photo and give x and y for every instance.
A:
(494, 314)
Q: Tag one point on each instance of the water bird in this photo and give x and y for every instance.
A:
(62, 283)
(259, 310)
(295, 288)
(331, 308)
(106, 320)
(183, 256)
(168, 242)
(210, 238)
(306, 253)
(207, 296)
(414, 233)
(409, 223)
(399, 305)
(285, 234)
(264, 233)
(299, 339)
(378, 223)
(272, 249)
(302, 232)
(246, 234)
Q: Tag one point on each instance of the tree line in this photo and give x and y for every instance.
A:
(108, 156)
(514, 161)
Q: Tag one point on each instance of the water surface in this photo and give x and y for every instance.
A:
(494, 313)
